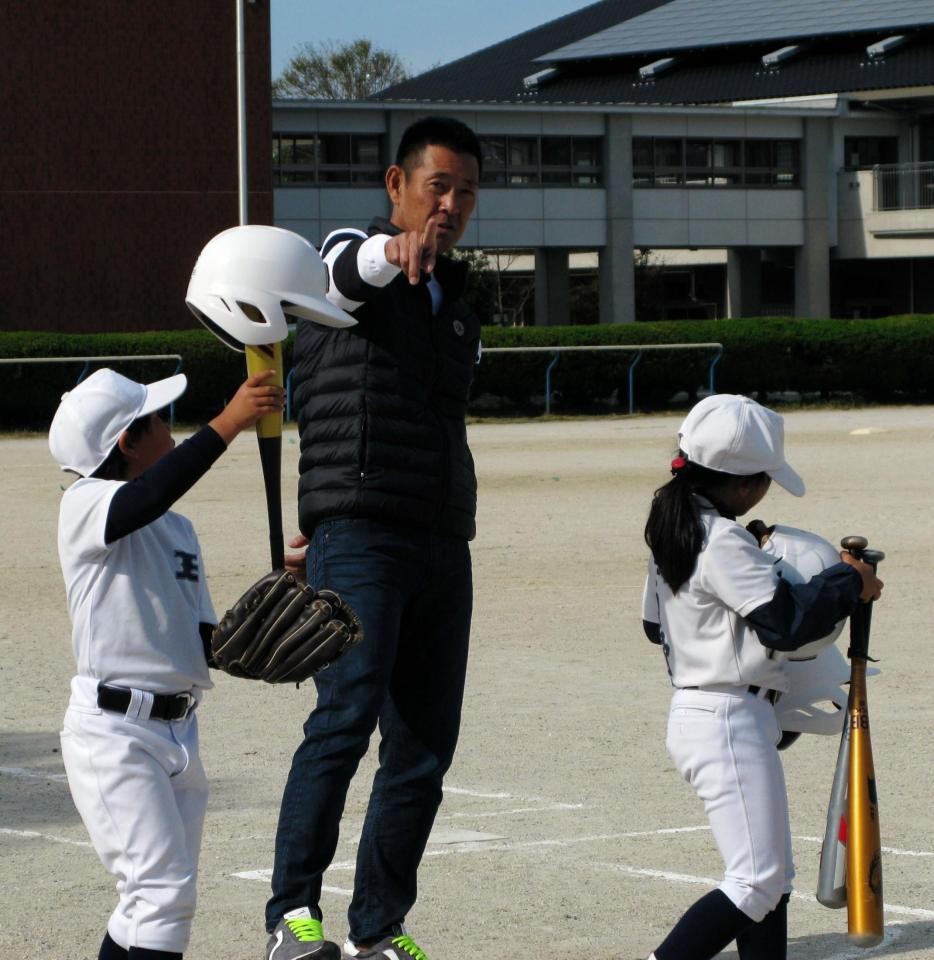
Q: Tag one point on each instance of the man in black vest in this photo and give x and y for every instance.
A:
(387, 502)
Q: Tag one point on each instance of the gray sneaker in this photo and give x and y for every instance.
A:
(298, 935)
(397, 946)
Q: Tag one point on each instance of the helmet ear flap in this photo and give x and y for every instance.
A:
(816, 701)
(220, 332)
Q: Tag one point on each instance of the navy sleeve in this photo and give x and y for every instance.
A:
(800, 613)
(148, 496)
(653, 631)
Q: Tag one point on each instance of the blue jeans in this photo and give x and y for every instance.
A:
(413, 592)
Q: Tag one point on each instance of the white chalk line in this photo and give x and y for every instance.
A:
(466, 815)
(495, 846)
(22, 773)
(458, 791)
(264, 876)
(895, 851)
(672, 877)
(35, 835)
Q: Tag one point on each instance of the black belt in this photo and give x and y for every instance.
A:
(165, 706)
(772, 696)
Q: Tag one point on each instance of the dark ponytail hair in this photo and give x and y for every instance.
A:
(673, 531)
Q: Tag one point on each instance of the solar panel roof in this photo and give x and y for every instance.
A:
(684, 24)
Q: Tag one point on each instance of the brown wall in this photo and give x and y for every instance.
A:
(118, 155)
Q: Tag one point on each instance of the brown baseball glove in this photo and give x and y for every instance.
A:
(282, 631)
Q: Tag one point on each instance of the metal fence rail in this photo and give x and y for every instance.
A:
(87, 361)
(639, 349)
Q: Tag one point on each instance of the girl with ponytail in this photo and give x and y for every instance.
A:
(725, 619)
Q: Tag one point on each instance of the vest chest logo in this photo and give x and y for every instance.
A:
(458, 327)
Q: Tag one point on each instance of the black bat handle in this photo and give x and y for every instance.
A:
(270, 455)
(861, 618)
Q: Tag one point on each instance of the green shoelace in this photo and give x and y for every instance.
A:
(306, 930)
(410, 946)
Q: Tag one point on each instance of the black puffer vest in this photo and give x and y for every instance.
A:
(381, 409)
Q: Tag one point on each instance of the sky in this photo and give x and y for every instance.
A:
(423, 33)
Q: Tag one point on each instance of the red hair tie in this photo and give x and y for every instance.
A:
(677, 465)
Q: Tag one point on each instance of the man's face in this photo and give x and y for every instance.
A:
(442, 184)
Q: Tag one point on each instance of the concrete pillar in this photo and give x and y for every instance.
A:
(812, 259)
(617, 277)
(552, 304)
(743, 282)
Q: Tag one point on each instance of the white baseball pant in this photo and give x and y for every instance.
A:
(723, 742)
(141, 790)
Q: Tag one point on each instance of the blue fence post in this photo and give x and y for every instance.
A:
(713, 364)
(548, 382)
(631, 377)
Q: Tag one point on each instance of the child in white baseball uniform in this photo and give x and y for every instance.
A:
(141, 616)
(725, 620)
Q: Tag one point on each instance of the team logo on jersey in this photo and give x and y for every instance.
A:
(458, 328)
(187, 566)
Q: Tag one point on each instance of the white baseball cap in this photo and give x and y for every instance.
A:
(90, 418)
(733, 434)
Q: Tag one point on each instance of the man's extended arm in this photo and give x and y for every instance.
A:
(357, 265)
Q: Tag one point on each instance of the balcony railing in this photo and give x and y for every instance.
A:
(903, 186)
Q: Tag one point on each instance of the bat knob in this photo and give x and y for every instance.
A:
(854, 545)
(872, 557)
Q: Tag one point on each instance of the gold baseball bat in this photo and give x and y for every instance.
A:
(864, 845)
(269, 438)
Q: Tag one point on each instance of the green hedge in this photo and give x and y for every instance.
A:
(29, 393)
(884, 360)
(878, 361)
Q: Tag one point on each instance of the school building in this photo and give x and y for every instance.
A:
(770, 156)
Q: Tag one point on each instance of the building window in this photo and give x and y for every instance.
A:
(542, 161)
(347, 159)
(861, 153)
(713, 163)
(773, 163)
(692, 162)
(522, 161)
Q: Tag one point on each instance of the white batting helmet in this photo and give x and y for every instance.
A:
(800, 556)
(816, 701)
(248, 278)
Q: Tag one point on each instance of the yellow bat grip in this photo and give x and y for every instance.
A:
(258, 359)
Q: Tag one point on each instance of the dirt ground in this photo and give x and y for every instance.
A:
(565, 831)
